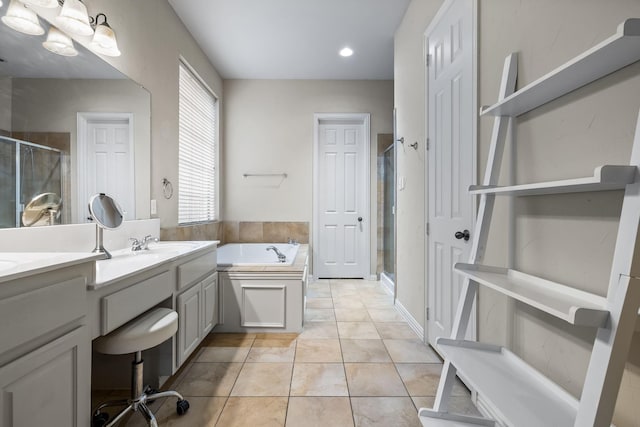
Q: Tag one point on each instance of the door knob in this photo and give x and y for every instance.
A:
(462, 235)
(359, 219)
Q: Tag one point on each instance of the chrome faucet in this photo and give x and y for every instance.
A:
(281, 257)
(148, 238)
(292, 241)
(136, 245)
(142, 244)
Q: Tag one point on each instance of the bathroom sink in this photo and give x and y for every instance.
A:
(125, 262)
(171, 247)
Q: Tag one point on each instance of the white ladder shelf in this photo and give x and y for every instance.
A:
(520, 395)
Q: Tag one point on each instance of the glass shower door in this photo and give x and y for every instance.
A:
(26, 171)
(388, 235)
(8, 183)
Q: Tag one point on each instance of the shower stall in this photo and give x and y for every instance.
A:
(389, 201)
(26, 171)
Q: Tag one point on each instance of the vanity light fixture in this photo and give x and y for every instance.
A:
(104, 39)
(22, 19)
(346, 52)
(59, 43)
(74, 19)
(50, 4)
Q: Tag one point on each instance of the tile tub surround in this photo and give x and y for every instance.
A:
(209, 231)
(265, 232)
(240, 232)
(337, 386)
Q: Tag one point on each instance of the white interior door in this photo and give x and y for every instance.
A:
(451, 130)
(341, 189)
(107, 163)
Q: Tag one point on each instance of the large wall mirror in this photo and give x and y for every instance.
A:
(72, 126)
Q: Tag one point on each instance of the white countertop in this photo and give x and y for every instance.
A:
(17, 265)
(124, 262)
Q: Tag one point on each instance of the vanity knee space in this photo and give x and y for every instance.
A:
(186, 284)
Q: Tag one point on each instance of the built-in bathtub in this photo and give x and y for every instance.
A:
(255, 254)
(257, 292)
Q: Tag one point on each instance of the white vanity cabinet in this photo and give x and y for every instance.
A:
(48, 386)
(45, 348)
(196, 303)
(197, 314)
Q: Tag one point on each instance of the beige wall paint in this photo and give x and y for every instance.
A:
(269, 129)
(51, 105)
(152, 39)
(566, 238)
(409, 101)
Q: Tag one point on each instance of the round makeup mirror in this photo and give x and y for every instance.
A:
(105, 211)
(43, 209)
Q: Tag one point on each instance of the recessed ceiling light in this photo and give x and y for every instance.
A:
(346, 52)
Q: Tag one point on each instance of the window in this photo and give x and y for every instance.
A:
(198, 148)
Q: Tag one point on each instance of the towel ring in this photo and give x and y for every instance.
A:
(167, 188)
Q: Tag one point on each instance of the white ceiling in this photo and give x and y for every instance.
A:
(295, 39)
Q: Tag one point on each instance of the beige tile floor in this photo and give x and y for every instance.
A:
(356, 363)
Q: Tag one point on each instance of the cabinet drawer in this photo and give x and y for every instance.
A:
(193, 270)
(32, 314)
(122, 306)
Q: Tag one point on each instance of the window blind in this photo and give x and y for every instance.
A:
(197, 150)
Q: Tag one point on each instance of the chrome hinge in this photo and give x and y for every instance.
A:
(428, 144)
(427, 60)
(427, 313)
(427, 229)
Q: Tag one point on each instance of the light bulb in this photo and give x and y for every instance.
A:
(74, 19)
(59, 43)
(346, 51)
(104, 40)
(22, 19)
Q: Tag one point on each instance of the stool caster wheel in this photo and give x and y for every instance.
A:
(100, 419)
(182, 407)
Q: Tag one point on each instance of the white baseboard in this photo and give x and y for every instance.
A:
(413, 323)
(387, 283)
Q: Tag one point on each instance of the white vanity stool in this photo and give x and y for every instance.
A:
(141, 333)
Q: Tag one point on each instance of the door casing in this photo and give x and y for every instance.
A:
(365, 119)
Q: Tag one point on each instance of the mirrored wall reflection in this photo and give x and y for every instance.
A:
(43, 97)
(26, 171)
